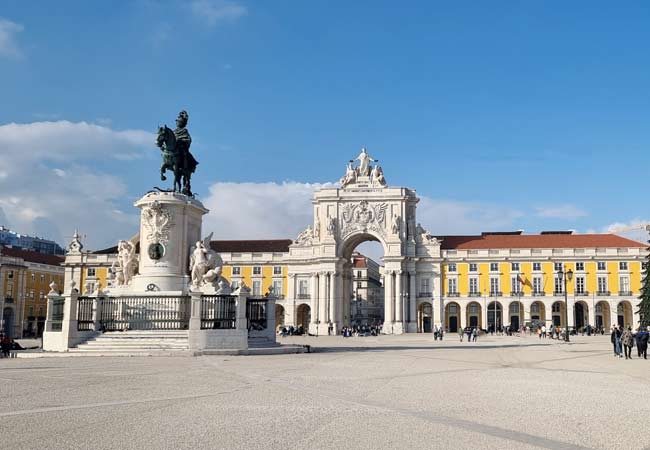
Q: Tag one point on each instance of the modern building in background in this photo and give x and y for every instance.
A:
(25, 278)
(26, 242)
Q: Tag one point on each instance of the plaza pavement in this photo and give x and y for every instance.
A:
(387, 392)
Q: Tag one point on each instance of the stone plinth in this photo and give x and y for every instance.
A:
(170, 223)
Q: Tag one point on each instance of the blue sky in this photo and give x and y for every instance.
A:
(502, 114)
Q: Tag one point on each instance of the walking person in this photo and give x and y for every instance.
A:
(460, 334)
(5, 345)
(544, 331)
(474, 334)
(617, 341)
(628, 342)
(642, 342)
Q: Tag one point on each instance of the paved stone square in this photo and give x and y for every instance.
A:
(382, 392)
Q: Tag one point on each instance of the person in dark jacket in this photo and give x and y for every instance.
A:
(642, 341)
(616, 340)
(5, 345)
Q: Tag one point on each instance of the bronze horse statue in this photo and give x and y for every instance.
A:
(181, 163)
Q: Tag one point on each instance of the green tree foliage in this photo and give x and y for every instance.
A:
(644, 306)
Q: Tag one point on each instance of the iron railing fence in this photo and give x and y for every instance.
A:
(256, 313)
(145, 313)
(85, 314)
(218, 312)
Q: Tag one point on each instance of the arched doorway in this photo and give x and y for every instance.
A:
(474, 315)
(303, 315)
(494, 316)
(363, 282)
(515, 315)
(537, 312)
(279, 316)
(557, 310)
(452, 317)
(624, 314)
(603, 317)
(580, 315)
(425, 316)
(8, 318)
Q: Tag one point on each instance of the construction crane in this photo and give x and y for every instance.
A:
(637, 227)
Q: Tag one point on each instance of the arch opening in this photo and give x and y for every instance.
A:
(363, 282)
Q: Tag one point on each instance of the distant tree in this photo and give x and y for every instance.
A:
(644, 306)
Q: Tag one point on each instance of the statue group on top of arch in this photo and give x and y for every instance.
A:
(363, 172)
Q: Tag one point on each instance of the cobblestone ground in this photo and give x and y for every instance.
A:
(403, 392)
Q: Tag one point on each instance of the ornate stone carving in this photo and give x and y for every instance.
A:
(364, 216)
(127, 263)
(316, 228)
(75, 246)
(363, 174)
(397, 224)
(305, 238)
(157, 221)
(424, 237)
(205, 264)
(332, 226)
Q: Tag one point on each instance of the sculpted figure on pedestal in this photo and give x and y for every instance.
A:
(397, 224)
(305, 237)
(127, 261)
(331, 226)
(205, 264)
(364, 163)
(175, 147)
(350, 175)
(377, 175)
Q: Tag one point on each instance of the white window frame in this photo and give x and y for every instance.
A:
(602, 284)
(537, 285)
(537, 267)
(580, 285)
(493, 265)
(236, 270)
(452, 286)
(580, 266)
(277, 270)
(473, 267)
(451, 267)
(257, 270)
(473, 285)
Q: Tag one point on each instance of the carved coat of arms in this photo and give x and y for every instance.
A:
(364, 216)
(157, 221)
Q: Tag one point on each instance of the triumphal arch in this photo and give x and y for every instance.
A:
(363, 208)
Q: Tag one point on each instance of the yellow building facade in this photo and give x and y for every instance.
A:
(25, 278)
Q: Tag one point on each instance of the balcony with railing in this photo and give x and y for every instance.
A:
(625, 293)
(303, 296)
(581, 293)
(539, 294)
(474, 294)
(425, 294)
(603, 293)
(560, 292)
(453, 294)
(496, 294)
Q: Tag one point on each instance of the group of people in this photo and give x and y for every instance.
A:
(472, 334)
(361, 330)
(291, 331)
(624, 339)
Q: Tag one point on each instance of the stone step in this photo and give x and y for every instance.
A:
(133, 345)
(130, 349)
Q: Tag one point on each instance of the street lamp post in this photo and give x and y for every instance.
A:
(564, 274)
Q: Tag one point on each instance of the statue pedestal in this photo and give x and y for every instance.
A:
(170, 223)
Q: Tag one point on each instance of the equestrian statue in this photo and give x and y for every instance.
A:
(176, 156)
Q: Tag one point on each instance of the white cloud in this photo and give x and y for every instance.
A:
(50, 186)
(213, 12)
(560, 212)
(8, 45)
(282, 210)
(634, 229)
(64, 141)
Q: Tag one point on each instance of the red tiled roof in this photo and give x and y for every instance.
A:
(254, 246)
(494, 241)
(35, 257)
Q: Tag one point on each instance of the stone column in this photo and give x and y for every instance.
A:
(315, 312)
(484, 315)
(412, 300)
(398, 327)
(323, 302)
(571, 303)
(592, 315)
(338, 298)
(548, 311)
(334, 308)
(388, 302)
